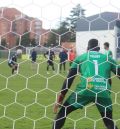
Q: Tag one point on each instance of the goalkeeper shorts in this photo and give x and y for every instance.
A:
(79, 101)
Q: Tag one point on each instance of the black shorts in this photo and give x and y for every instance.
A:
(50, 62)
(33, 60)
(11, 65)
(16, 66)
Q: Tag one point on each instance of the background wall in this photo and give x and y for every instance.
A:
(82, 39)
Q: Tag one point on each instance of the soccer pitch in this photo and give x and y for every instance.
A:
(27, 98)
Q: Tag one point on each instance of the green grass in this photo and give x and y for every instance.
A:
(25, 96)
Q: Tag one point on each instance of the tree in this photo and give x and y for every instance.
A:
(25, 39)
(52, 40)
(76, 13)
(68, 24)
(64, 27)
(33, 42)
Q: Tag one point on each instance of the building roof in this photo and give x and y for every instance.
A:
(102, 21)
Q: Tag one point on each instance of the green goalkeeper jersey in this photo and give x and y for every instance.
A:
(95, 69)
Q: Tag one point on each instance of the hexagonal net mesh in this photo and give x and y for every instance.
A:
(59, 64)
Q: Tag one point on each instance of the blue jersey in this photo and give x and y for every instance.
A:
(63, 56)
(34, 55)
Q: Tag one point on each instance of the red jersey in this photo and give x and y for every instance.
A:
(72, 56)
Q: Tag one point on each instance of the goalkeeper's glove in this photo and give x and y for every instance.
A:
(60, 99)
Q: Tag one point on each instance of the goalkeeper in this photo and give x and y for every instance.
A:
(94, 86)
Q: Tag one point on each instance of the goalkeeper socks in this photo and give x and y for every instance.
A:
(108, 120)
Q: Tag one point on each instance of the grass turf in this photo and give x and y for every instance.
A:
(27, 98)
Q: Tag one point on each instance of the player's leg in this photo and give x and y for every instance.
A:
(64, 65)
(16, 67)
(35, 64)
(52, 64)
(69, 106)
(106, 114)
(53, 68)
(108, 120)
(11, 66)
(61, 116)
(48, 64)
(32, 64)
(60, 66)
(13, 70)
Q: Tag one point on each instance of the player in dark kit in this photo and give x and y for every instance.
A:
(63, 57)
(50, 55)
(33, 58)
(12, 63)
(94, 86)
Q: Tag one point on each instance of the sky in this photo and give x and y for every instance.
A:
(52, 11)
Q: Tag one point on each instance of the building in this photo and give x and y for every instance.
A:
(14, 24)
(45, 37)
(4, 26)
(105, 27)
(11, 13)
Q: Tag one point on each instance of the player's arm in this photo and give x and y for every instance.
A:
(71, 76)
(115, 68)
(118, 72)
(68, 81)
(66, 85)
(111, 54)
